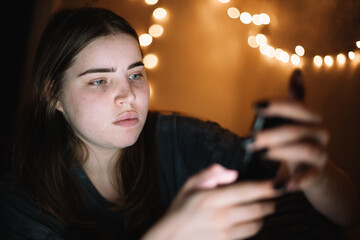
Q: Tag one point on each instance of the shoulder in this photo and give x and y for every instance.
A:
(21, 217)
(182, 121)
(199, 141)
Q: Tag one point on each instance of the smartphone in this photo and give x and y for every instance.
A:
(254, 166)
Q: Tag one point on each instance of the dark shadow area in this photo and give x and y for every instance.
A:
(15, 26)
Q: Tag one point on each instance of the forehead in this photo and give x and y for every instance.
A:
(108, 50)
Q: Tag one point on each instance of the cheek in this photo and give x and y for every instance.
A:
(83, 111)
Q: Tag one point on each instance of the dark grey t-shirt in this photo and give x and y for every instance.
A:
(185, 146)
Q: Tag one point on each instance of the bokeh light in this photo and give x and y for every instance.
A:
(159, 13)
(318, 61)
(156, 30)
(150, 61)
(145, 39)
(151, 2)
(295, 59)
(261, 39)
(256, 19)
(245, 18)
(299, 50)
(265, 19)
(328, 60)
(351, 55)
(233, 12)
(252, 42)
(341, 59)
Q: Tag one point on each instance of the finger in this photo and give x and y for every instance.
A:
(211, 177)
(304, 176)
(289, 133)
(297, 153)
(290, 109)
(248, 212)
(241, 193)
(244, 231)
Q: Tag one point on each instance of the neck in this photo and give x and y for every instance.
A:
(100, 169)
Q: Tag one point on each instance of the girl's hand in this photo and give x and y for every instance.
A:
(208, 208)
(302, 147)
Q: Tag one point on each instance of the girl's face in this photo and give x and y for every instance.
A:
(106, 94)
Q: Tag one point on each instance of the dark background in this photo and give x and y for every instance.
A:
(16, 19)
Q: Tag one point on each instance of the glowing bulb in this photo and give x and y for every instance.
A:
(351, 55)
(270, 52)
(252, 42)
(265, 19)
(299, 50)
(341, 58)
(358, 44)
(156, 30)
(278, 52)
(145, 39)
(233, 12)
(256, 19)
(150, 61)
(151, 2)
(329, 61)
(160, 13)
(284, 57)
(261, 39)
(245, 18)
(295, 59)
(318, 61)
(224, 1)
(263, 49)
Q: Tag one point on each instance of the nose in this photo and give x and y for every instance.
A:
(124, 93)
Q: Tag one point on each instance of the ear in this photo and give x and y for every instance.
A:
(58, 106)
(49, 95)
(296, 88)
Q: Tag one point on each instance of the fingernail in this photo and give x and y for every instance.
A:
(261, 105)
(281, 186)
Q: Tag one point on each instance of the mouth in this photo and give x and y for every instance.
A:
(127, 119)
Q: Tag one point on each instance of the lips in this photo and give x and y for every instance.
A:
(127, 119)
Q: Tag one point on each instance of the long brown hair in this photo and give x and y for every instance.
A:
(45, 146)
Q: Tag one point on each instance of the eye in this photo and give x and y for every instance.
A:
(135, 76)
(97, 82)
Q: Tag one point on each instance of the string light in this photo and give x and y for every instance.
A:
(233, 12)
(145, 39)
(299, 50)
(318, 61)
(245, 18)
(328, 60)
(256, 19)
(151, 2)
(261, 39)
(159, 13)
(224, 1)
(156, 30)
(341, 59)
(265, 19)
(351, 55)
(295, 59)
(252, 42)
(150, 61)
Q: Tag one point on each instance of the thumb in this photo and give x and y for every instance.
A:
(211, 177)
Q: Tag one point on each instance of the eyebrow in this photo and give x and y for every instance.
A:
(105, 70)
